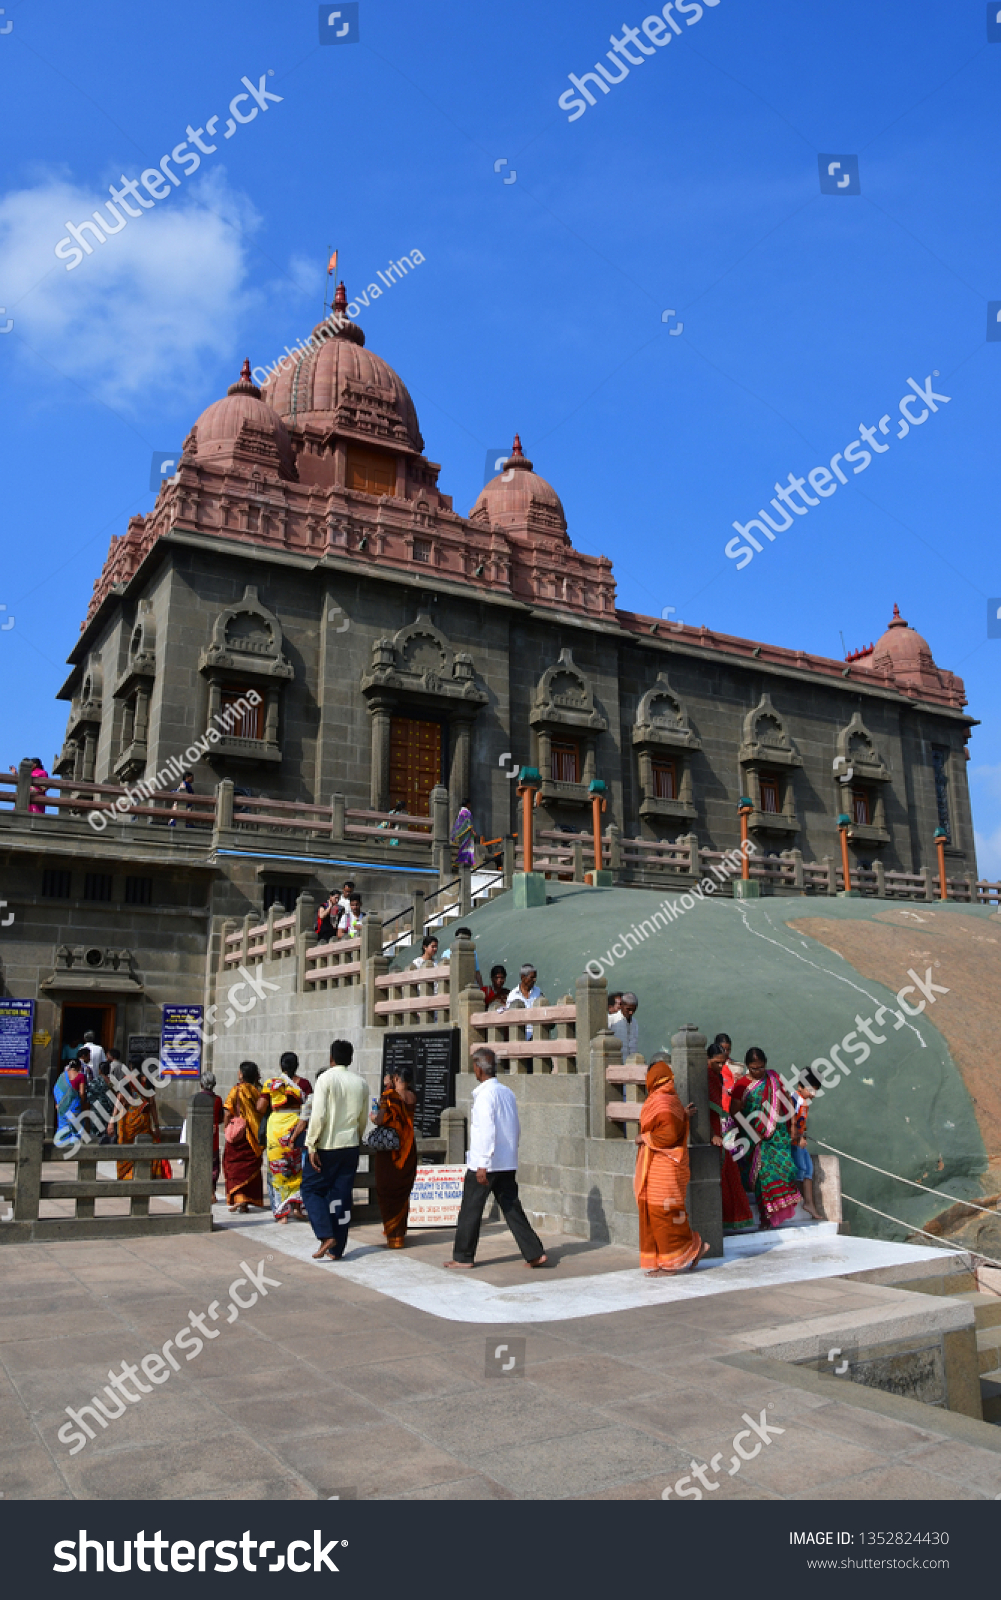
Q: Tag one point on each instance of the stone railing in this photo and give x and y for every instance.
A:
(336, 965)
(32, 1185)
(419, 997)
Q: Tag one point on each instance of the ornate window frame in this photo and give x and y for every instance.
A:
(234, 662)
(857, 754)
(767, 749)
(134, 691)
(663, 731)
(563, 703)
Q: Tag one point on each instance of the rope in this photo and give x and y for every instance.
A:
(974, 1255)
(988, 1212)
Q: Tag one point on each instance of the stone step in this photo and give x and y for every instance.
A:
(989, 1349)
(990, 1399)
(986, 1308)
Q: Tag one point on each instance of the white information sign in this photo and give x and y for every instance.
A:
(436, 1196)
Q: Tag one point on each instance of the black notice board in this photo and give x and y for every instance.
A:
(433, 1057)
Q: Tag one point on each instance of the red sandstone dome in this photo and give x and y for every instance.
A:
(903, 655)
(519, 501)
(339, 384)
(219, 428)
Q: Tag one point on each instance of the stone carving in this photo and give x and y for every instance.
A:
(662, 720)
(246, 639)
(565, 698)
(858, 748)
(766, 739)
(420, 660)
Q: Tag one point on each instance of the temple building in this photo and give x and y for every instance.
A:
(304, 567)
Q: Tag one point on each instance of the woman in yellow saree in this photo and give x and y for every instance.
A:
(667, 1243)
(284, 1160)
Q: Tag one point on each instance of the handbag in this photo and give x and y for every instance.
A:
(383, 1139)
(235, 1128)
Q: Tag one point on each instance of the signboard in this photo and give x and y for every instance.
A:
(436, 1196)
(181, 1041)
(433, 1057)
(17, 1022)
(144, 1044)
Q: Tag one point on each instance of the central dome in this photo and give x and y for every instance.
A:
(337, 384)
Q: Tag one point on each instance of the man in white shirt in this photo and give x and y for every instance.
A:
(96, 1052)
(624, 1025)
(491, 1164)
(527, 993)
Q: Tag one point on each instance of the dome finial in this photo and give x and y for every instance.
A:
(245, 383)
(896, 621)
(517, 458)
(340, 297)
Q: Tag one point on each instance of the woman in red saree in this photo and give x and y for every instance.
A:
(395, 1170)
(667, 1243)
(737, 1216)
(141, 1125)
(241, 1161)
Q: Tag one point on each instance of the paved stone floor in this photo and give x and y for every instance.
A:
(328, 1387)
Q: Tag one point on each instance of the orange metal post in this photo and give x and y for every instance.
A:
(745, 865)
(527, 796)
(942, 884)
(597, 807)
(845, 862)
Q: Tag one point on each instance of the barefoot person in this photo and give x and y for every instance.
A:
(333, 1145)
(395, 1165)
(667, 1243)
(491, 1165)
(241, 1157)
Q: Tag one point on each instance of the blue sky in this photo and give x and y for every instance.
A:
(693, 184)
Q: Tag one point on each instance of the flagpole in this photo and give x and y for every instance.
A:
(326, 274)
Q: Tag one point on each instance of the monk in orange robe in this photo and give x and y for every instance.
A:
(667, 1243)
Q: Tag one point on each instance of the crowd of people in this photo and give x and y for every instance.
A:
(310, 1142)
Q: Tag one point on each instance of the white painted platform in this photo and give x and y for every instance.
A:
(754, 1261)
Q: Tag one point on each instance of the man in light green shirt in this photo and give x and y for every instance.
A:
(333, 1140)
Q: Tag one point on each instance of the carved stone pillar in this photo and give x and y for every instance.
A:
(89, 758)
(271, 716)
(142, 715)
(461, 730)
(380, 712)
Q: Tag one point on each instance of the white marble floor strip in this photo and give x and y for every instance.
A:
(753, 1262)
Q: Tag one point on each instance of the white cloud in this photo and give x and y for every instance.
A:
(985, 787)
(153, 305)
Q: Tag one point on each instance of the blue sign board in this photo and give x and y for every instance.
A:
(17, 1022)
(181, 1041)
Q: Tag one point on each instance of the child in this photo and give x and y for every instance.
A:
(808, 1085)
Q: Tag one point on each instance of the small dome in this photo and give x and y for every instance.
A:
(518, 500)
(218, 428)
(901, 647)
(338, 384)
